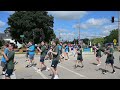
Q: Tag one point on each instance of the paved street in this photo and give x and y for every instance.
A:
(66, 69)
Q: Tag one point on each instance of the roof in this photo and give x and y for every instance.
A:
(4, 36)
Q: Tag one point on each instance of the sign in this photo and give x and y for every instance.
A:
(21, 36)
(87, 50)
(115, 41)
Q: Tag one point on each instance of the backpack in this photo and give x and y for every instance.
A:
(68, 49)
(60, 47)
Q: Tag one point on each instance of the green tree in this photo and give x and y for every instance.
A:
(2, 42)
(113, 35)
(97, 40)
(36, 25)
(86, 41)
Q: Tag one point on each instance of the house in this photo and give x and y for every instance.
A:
(8, 38)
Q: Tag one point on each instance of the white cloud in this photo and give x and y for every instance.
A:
(10, 12)
(103, 31)
(96, 22)
(106, 29)
(62, 30)
(67, 36)
(1, 32)
(2, 24)
(92, 23)
(68, 15)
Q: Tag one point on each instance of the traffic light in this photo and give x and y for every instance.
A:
(112, 19)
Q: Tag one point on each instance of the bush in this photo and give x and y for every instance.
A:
(2, 42)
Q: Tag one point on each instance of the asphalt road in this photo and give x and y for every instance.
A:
(66, 69)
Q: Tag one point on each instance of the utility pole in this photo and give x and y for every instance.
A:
(59, 35)
(33, 36)
(74, 37)
(22, 40)
(119, 28)
(112, 20)
(79, 32)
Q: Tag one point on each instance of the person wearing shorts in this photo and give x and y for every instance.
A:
(60, 51)
(3, 60)
(110, 58)
(42, 56)
(72, 50)
(27, 53)
(66, 51)
(98, 55)
(10, 61)
(49, 55)
(31, 51)
(55, 61)
(94, 48)
(79, 57)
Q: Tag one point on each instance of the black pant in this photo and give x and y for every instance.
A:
(4, 66)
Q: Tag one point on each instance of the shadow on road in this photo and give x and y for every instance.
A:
(103, 70)
(21, 78)
(44, 68)
(116, 67)
(94, 63)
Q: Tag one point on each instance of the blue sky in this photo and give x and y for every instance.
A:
(91, 23)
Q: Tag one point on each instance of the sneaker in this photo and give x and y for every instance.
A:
(50, 61)
(98, 64)
(113, 72)
(34, 64)
(27, 61)
(3, 73)
(82, 66)
(104, 72)
(75, 67)
(16, 62)
(39, 70)
(47, 69)
(50, 74)
(30, 65)
(27, 66)
(56, 77)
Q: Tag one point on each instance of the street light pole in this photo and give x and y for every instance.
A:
(33, 36)
(59, 34)
(22, 40)
(79, 32)
(119, 28)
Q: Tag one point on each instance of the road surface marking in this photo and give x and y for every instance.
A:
(40, 73)
(73, 71)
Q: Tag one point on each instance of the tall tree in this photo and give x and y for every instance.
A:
(113, 35)
(97, 40)
(86, 41)
(36, 25)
